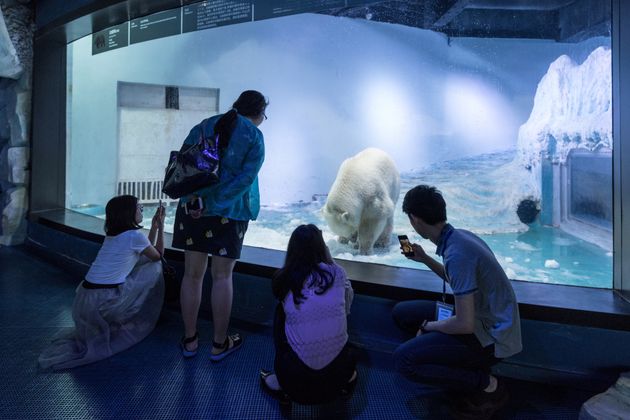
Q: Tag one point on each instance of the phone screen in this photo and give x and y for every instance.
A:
(406, 245)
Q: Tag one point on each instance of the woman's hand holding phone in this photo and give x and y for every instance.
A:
(158, 217)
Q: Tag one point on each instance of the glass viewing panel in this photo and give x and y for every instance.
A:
(510, 130)
(590, 180)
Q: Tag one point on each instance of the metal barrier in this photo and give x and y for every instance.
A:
(147, 191)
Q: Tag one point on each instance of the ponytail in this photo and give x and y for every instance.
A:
(225, 126)
(250, 103)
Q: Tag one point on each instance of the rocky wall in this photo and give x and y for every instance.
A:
(16, 58)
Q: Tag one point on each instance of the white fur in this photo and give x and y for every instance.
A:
(361, 201)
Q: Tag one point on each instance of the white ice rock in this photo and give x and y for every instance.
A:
(552, 264)
(572, 109)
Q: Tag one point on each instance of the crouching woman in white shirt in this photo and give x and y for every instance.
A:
(119, 301)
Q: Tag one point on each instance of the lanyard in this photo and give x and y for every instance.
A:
(445, 236)
(444, 285)
(443, 291)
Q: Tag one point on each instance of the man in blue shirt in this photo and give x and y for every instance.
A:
(457, 350)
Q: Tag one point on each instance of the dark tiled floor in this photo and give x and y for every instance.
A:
(151, 380)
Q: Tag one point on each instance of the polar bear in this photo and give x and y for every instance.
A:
(361, 202)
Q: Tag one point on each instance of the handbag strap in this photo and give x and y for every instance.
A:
(202, 135)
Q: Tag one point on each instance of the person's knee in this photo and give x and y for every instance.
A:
(221, 269)
(193, 275)
(155, 267)
(153, 270)
(399, 314)
(221, 278)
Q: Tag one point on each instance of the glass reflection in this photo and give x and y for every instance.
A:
(490, 122)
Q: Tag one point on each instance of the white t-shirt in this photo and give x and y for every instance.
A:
(117, 257)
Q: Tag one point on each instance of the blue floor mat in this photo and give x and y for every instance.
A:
(152, 381)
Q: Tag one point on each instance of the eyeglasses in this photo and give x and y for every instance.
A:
(140, 207)
(264, 115)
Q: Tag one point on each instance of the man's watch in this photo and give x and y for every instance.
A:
(423, 326)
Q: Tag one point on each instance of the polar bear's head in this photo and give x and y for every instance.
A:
(340, 222)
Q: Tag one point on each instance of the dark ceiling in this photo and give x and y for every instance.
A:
(559, 20)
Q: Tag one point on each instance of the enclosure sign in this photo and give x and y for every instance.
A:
(195, 16)
(110, 39)
(158, 25)
(210, 14)
(274, 8)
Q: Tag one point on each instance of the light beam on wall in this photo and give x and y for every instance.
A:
(478, 115)
(387, 110)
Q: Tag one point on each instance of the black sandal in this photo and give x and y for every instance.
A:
(187, 340)
(226, 349)
(277, 394)
(348, 388)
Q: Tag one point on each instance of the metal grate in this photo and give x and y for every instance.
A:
(147, 191)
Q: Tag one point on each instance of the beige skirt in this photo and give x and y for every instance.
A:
(108, 321)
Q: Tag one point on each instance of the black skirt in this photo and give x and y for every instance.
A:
(303, 384)
(215, 235)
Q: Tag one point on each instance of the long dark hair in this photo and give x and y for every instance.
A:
(250, 103)
(120, 215)
(305, 251)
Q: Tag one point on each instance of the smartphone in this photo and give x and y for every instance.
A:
(405, 245)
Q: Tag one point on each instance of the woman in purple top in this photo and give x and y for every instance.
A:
(313, 361)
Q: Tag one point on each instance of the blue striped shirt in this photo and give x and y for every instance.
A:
(471, 267)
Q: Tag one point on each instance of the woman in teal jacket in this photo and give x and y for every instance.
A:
(214, 219)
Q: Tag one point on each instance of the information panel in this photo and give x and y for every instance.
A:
(274, 8)
(198, 15)
(210, 14)
(111, 38)
(158, 25)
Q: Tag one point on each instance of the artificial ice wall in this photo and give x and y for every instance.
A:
(336, 86)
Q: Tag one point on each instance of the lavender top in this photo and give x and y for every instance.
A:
(316, 329)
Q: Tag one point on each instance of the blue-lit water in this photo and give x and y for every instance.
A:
(478, 191)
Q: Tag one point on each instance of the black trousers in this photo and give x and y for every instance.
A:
(303, 384)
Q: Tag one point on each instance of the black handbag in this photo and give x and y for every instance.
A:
(193, 167)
